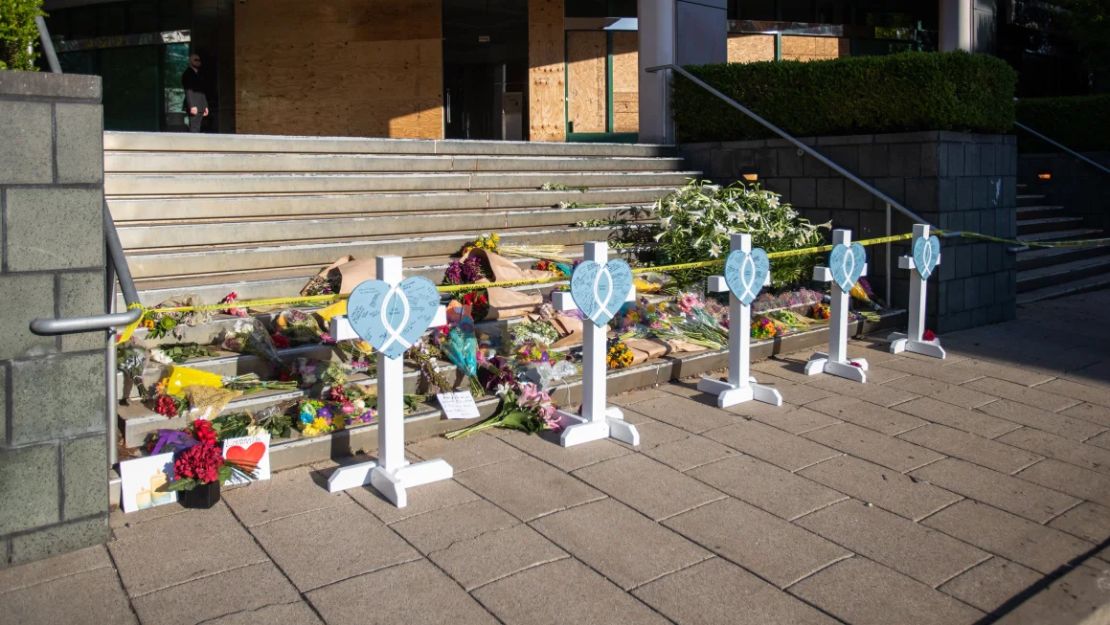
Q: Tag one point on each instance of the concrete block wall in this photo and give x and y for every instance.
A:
(53, 448)
(957, 181)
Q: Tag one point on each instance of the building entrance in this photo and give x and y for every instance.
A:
(485, 68)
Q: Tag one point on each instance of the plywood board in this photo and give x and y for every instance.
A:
(749, 48)
(809, 48)
(626, 81)
(343, 67)
(546, 75)
(587, 98)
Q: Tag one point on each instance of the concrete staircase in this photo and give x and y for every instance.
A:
(207, 214)
(1047, 273)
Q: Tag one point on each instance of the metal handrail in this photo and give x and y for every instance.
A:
(115, 265)
(801, 146)
(1063, 147)
(48, 46)
(97, 323)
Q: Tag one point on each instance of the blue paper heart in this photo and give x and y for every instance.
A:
(392, 319)
(746, 273)
(599, 291)
(926, 255)
(846, 264)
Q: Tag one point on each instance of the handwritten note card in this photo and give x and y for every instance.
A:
(458, 405)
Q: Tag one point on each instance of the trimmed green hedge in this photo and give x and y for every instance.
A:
(1081, 122)
(19, 35)
(861, 95)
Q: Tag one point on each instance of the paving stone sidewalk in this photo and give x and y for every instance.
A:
(973, 490)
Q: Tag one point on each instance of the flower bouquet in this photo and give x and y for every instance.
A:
(249, 337)
(764, 328)
(523, 407)
(181, 378)
(296, 327)
(619, 356)
(469, 270)
(231, 309)
(200, 469)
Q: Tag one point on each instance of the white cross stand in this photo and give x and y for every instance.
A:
(836, 361)
(740, 387)
(929, 254)
(597, 421)
(391, 475)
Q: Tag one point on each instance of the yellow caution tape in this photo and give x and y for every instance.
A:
(134, 325)
(701, 264)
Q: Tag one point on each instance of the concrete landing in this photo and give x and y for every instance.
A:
(973, 490)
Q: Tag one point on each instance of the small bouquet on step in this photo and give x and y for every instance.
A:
(248, 336)
(525, 407)
(296, 327)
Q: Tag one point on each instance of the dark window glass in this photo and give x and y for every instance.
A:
(796, 10)
(82, 22)
(57, 22)
(142, 17)
(111, 20)
(601, 8)
(756, 10)
(174, 15)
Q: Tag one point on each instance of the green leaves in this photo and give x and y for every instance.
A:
(857, 95)
(1080, 122)
(18, 34)
(696, 221)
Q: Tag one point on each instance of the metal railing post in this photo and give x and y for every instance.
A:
(917, 219)
(110, 399)
(889, 263)
(47, 46)
(1063, 147)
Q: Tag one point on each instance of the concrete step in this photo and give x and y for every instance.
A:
(1029, 199)
(1063, 235)
(258, 162)
(1038, 211)
(1032, 258)
(280, 282)
(214, 259)
(136, 422)
(1048, 224)
(125, 209)
(1061, 273)
(181, 142)
(245, 232)
(226, 184)
(1090, 283)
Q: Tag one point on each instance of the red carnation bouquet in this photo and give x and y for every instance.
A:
(203, 462)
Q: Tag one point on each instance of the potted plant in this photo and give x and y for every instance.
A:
(200, 469)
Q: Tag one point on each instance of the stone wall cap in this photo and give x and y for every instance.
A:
(48, 85)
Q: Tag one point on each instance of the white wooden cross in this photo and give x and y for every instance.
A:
(912, 340)
(391, 475)
(597, 421)
(740, 387)
(836, 361)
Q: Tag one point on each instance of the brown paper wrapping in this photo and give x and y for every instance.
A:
(651, 348)
(352, 272)
(506, 303)
(570, 330)
(505, 269)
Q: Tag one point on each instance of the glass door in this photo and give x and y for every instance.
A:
(602, 85)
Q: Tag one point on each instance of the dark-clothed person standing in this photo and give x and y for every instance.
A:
(196, 102)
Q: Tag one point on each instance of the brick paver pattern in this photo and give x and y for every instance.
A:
(970, 490)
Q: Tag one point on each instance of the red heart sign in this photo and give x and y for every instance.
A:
(247, 458)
